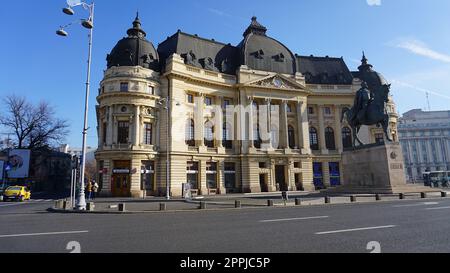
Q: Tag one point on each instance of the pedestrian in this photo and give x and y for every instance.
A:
(89, 190)
(94, 189)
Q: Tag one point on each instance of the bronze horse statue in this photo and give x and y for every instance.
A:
(376, 114)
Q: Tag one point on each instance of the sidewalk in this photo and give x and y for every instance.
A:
(215, 202)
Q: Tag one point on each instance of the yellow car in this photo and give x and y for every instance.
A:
(18, 193)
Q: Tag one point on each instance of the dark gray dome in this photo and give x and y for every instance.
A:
(366, 73)
(134, 50)
(260, 52)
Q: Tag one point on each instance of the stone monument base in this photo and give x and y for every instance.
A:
(377, 168)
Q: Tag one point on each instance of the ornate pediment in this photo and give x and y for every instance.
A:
(277, 82)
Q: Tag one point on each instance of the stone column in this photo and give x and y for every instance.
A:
(322, 143)
(338, 130)
(303, 127)
(218, 123)
(326, 174)
(284, 138)
(136, 139)
(221, 177)
(198, 120)
(252, 122)
(109, 130)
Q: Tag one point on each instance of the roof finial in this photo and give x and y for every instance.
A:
(137, 14)
(364, 59)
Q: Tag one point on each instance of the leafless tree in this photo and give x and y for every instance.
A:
(91, 170)
(33, 127)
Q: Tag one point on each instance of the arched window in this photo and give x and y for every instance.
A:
(313, 139)
(347, 141)
(190, 140)
(227, 139)
(291, 137)
(209, 134)
(329, 139)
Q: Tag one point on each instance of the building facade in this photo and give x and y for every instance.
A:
(248, 118)
(425, 139)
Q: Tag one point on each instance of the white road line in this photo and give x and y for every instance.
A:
(293, 219)
(417, 205)
(14, 204)
(437, 208)
(354, 229)
(43, 234)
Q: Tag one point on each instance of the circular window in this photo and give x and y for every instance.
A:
(123, 109)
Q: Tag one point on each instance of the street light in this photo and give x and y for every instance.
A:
(167, 102)
(88, 24)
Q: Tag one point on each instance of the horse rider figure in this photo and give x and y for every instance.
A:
(362, 100)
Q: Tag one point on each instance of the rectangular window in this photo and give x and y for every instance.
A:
(123, 132)
(151, 90)
(379, 138)
(208, 101)
(318, 175)
(262, 165)
(190, 98)
(211, 175)
(335, 174)
(226, 102)
(297, 165)
(327, 111)
(311, 110)
(123, 87)
(192, 174)
(148, 133)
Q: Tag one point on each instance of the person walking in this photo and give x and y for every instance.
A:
(89, 190)
(94, 189)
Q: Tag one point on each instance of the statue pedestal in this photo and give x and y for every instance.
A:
(377, 168)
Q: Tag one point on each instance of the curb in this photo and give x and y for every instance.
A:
(243, 207)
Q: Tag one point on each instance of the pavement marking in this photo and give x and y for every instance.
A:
(417, 205)
(354, 229)
(13, 204)
(294, 219)
(43, 234)
(437, 208)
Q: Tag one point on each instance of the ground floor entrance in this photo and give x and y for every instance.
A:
(121, 179)
(280, 177)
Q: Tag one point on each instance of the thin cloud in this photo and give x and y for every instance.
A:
(374, 2)
(219, 12)
(419, 48)
(419, 89)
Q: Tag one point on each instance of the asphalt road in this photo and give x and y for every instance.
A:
(401, 226)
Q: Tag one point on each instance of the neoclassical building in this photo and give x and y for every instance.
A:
(425, 139)
(254, 117)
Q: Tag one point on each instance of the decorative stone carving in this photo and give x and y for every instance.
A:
(258, 54)
(190, 58)
(276, 82)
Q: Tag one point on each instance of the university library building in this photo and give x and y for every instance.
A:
(222, 118)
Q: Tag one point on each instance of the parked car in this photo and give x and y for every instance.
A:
(17, 193)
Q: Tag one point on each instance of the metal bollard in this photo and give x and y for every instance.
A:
(202, 205)
(327, 200)
(162, 206)
(378, 197)
(90, 206)
(401, 196)
(353, 198)
(65, 204)
(237, 204)
(270, 203)
(298, 202)
(1, 198)
(423, 195)
(121, 207)
(443, 194)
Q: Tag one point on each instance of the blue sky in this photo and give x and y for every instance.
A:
(408, 41)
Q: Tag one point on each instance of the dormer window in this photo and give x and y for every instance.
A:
(190, 58)
(259, 54)
(279, 57)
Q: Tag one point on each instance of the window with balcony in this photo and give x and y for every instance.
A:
(148, 133)
(329, 139)
(313, 139)
(123, 130)
(190, 132)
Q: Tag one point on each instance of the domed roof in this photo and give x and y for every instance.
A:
(260, 52)
(366, 73)
(134, 50)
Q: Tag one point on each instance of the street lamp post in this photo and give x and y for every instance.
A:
(89, 24)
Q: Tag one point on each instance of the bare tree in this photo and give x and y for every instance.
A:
(91, 170)
(33, 127)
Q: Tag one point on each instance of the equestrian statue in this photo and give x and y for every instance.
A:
(369, 108)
